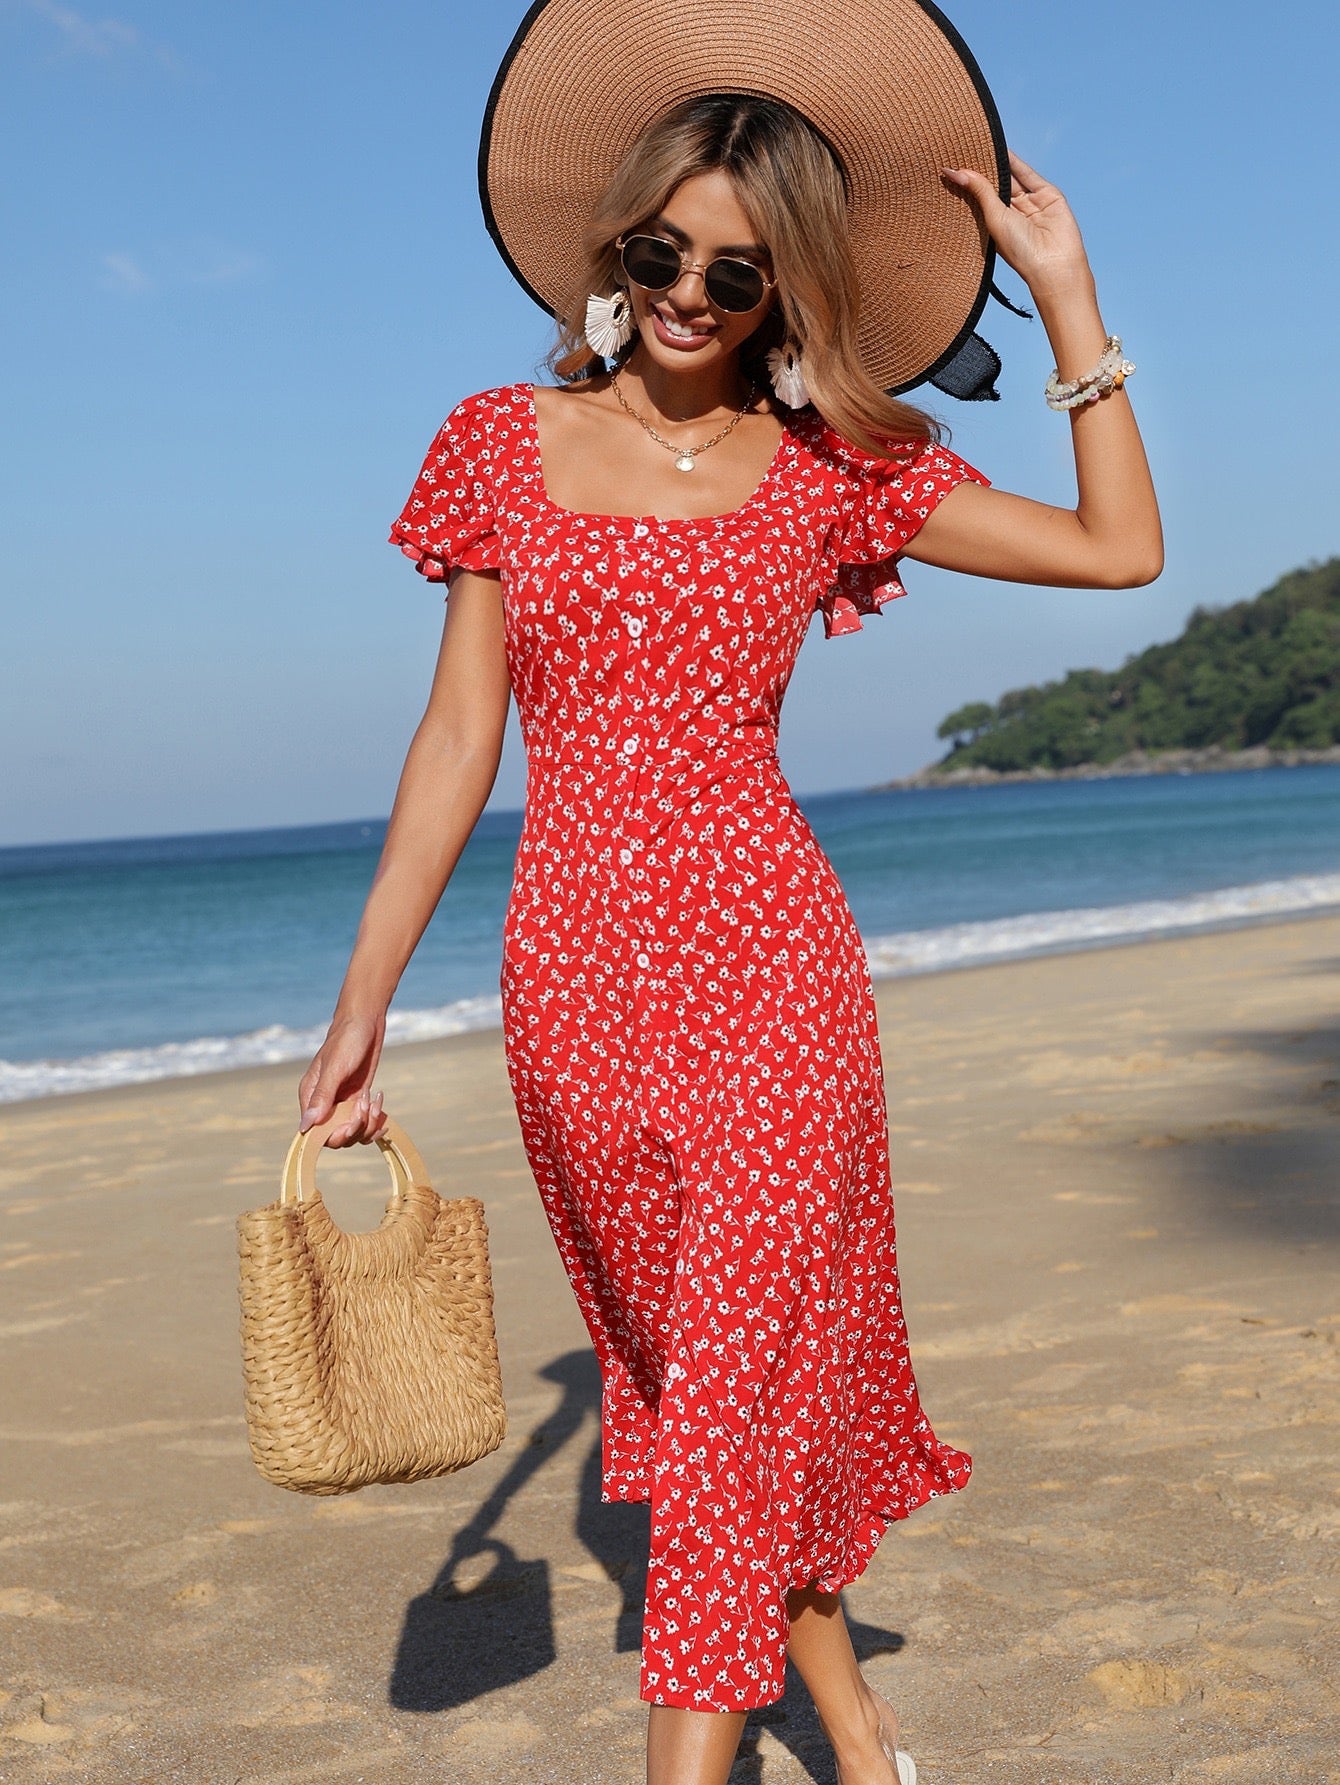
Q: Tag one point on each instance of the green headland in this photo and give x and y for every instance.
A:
(1243, 686)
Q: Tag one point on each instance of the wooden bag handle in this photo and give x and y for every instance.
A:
(297, 1182)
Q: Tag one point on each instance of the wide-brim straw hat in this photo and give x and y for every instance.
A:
(889, 84)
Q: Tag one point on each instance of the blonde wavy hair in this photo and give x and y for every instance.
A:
(791, 186)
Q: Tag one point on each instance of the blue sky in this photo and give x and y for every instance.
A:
(246, 277)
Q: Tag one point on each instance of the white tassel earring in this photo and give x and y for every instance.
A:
(788, 377)
(609, 322)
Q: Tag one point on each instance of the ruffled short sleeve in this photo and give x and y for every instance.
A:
(889, 501)
(448, 520)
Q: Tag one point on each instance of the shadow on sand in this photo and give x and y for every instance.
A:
(487, 1620)
(478, 1629)
(1271, 1172)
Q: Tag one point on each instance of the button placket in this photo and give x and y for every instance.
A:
(624, 658)
(634, 750)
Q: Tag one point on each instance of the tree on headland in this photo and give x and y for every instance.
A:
(1265, 671)
(967, 724)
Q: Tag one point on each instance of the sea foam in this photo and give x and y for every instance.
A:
(1042, 932)
(221, 1053)
(890, 957)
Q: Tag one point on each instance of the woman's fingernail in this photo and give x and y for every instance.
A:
(308, 1117)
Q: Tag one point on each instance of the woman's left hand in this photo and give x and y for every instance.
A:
(1035, 233)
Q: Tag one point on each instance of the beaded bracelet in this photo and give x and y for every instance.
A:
(1109, 374)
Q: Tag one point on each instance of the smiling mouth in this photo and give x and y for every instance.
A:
(683, 331)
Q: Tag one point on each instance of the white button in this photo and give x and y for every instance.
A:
(630, 747)
(644, 960)
(641, 531)
(625, 856)
(634, 625)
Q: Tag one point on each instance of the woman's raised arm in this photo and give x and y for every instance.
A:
(1112, 538)
(448, 775)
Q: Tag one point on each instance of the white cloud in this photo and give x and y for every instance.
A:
(86, 37)
(200, 260)
(81, 35)
(122, 272)
(214, 263)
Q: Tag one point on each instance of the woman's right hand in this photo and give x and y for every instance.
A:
(342, 1070)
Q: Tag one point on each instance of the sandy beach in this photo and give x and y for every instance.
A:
(1119, 1232)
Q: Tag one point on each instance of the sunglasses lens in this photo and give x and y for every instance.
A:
(656, 265)
(653, 264)
(734, 285)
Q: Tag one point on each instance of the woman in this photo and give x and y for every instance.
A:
(689, 1022)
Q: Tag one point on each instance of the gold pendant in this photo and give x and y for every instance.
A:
(684, 462)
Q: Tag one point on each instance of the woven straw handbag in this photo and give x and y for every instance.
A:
(367, 1356)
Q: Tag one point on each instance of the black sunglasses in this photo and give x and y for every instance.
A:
(656, 265)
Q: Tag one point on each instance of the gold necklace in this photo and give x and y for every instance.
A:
(685, 455)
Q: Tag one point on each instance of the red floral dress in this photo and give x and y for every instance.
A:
(689, 1022)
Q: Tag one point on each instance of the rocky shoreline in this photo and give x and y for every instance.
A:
(1136, 762)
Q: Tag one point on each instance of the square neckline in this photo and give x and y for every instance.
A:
(755, 497)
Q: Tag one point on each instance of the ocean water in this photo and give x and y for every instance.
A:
(158, 957)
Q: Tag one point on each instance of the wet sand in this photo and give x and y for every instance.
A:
(1119, 1232)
